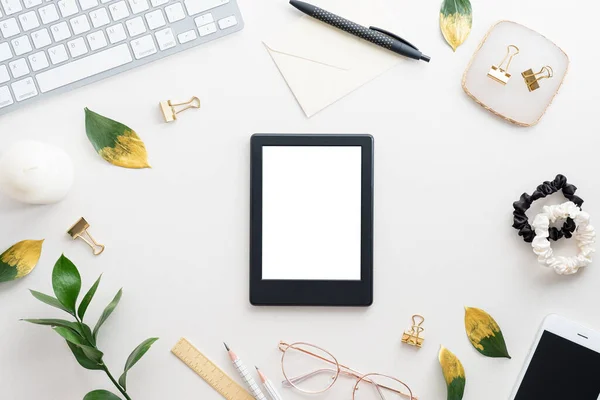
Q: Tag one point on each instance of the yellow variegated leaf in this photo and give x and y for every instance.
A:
(484, 333)
(116, 143)
(20, 259)
(454, 374)
(456, 20)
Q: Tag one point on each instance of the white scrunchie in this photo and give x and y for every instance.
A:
(585, 235)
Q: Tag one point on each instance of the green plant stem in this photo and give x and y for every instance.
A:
(123, 392)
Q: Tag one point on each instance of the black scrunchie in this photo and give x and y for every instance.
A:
(521, 223)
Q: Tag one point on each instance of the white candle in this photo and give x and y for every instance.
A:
(35, 172)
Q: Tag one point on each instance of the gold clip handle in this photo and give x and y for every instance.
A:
(194, 102)
(97, 248)
(509, 57)
(532, 79)
(170, 111)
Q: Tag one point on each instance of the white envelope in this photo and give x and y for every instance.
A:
(320, 63)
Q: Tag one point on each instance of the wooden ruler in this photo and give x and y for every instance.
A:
(208, 371)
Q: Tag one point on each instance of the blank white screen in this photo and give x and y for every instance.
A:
(311, 212)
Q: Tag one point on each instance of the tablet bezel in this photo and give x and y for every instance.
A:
(311, 292)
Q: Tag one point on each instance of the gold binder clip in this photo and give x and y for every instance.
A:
(533, 79)
(500, 74)
(170, 113)
(79, 230)
(413, 337)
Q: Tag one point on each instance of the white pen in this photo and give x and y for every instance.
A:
(241, 369)
(269, 387)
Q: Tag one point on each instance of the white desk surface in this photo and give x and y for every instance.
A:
(446, 174)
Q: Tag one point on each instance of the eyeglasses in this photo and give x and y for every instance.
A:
(313, 370)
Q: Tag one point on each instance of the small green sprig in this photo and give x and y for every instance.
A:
(80, 338)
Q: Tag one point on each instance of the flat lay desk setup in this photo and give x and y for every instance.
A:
(224, 240)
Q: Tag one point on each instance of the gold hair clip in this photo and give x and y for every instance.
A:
(500, 74)
(169, 111)
(79, 230)
(413, 337)
(532, 79)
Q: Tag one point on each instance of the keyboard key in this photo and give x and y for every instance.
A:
(155, 19)
(197, 6)
(60, 31)
(136, 26)
(165, 39)
(18, 68)
(24, 89)
(206, 30)
(4, 77)
(157, 3)
(84, 68)
(187, 36)
(77, 47)
(29, 21)
(99, 17)
(5, 97)
(204, 19)
(38, 61)
(9, 28)
(116, 33)
(119, 11)
(105, 1)
(97, 40)
(175, 12)
(227, 22)
(5, 52)
(138, 6)
(11, 6)
(87, 4)
(143, 47)
(21, 45)
(48, 14)
(68, 7)
(32, 3)
(80, 25)
(41, 38)
(58, 54)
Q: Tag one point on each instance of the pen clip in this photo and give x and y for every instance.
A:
(390, 34)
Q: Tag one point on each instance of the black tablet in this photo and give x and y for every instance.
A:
(311, 220)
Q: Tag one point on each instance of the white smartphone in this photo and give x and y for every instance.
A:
(563, 364)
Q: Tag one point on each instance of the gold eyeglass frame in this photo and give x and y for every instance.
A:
(339, 369)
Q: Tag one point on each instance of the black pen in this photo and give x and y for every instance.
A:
(374, 35)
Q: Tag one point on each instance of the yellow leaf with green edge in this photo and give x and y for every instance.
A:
(484, 333)
(454, 374)
(456, 20)
(20, 259)
(116, 143)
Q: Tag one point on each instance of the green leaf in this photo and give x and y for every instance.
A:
(82, 359)
(101, 395)
(66, 283)
(106, 313)
(86, 332)
(484, 333)
(454, 374)
(81, 329)
(134, 357)
(71, 336)
(51, 301)
(456, 20)
(57, 322)
(20, 259)
(87, 299)
(116, 143)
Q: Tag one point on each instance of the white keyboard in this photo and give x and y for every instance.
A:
(51, 46)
